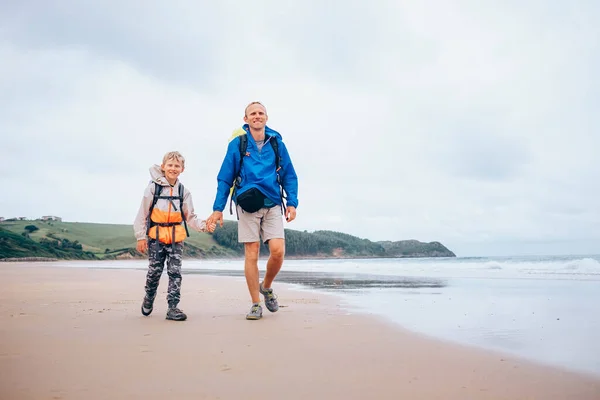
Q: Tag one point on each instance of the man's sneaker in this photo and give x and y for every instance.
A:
(147, 306)
(270, 299)
(255, 312)
(176, 314)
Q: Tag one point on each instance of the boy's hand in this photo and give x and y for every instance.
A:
(142, 246)
(211, 227)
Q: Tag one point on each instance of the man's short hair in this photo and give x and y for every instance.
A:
(174, 155)
(254, 102)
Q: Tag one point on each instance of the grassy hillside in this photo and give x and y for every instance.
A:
(107, 240)
(351, 245)
(13, 245)
(307, 244)
(414, 248)
(94, 237)
(337, 245)
(79, 240)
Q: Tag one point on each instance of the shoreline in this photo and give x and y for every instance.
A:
(78, 333)
(230, 258)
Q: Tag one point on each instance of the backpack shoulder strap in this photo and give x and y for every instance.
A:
(275, 145)
(243, 146)
(157, 190)
(181, 193)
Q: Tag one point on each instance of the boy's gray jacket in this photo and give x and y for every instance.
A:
(164, 211)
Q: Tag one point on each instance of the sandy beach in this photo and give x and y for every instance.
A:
(77, 333)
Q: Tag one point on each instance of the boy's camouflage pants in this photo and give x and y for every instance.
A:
(158, 253)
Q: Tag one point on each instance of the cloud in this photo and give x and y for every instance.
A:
(463, 123)
(160, 39)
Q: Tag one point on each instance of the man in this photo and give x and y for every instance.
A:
(258, 178)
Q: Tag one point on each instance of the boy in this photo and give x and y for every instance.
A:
(160, 227)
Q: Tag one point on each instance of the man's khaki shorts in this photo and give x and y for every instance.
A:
(266, 223)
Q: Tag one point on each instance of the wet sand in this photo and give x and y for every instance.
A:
(77, 333)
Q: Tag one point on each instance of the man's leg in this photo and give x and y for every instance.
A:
(272, 233)
(249, 234)
(277, 250)
(251, 269)
(156, 259)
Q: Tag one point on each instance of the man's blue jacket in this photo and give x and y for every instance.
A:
(258, 170)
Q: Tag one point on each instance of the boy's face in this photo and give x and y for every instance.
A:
(173, 169)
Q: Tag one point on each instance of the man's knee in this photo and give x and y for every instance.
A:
(251, 251)
(277, 248)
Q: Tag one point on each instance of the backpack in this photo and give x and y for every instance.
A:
(237, 180)
(157, 191)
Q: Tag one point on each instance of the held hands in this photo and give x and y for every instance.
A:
(290, 213)
(215, 217)
(142, 246)
(210, 227)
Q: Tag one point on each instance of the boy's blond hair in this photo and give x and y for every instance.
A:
(174, 155)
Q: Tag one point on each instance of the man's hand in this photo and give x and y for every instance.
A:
(142, 246)
(290, 213)
(215, 217)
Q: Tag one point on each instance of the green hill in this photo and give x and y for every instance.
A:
(13, 245)
(337, 245)
(77, 240)
(97, 241)
(414, 248)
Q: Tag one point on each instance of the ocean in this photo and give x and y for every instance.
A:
(545, 309)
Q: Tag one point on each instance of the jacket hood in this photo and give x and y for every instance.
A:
(268, 131)
(158, 176)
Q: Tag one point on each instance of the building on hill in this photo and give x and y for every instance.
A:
(51, 218)
(1, 219)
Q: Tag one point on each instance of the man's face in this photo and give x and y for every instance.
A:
(256, 116)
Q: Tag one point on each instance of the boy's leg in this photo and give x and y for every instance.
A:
(174, 259)
(156, 260)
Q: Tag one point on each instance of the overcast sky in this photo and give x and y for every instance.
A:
(473, 123)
